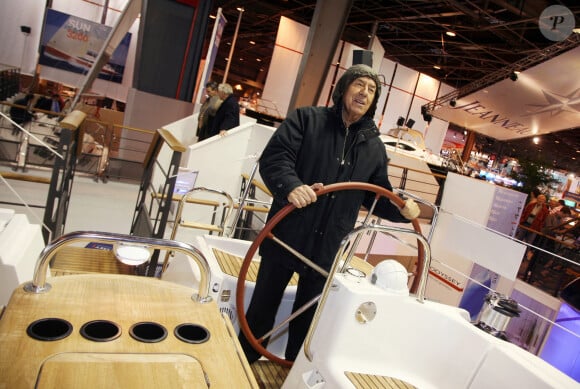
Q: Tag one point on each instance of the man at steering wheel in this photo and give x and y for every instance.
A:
(314, 147)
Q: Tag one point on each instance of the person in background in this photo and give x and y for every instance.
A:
(533, 217)
(228, 113)
(534, 195)
(554, 221)
(554, 205)
(21, 115)
(314, 147)
(44, 103)
(57, 103)
(208, 110)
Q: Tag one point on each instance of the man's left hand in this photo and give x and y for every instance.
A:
(411, 210)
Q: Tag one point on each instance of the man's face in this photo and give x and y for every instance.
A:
(210, 91)
(358, 97)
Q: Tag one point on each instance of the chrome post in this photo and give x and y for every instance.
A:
(328, 285)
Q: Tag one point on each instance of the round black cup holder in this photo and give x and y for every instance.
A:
(191, 333)
(148, 332)
(100, 330)
(49, 329)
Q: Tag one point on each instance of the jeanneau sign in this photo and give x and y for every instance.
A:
(542, 99)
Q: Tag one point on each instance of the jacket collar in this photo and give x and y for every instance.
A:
(365, 126)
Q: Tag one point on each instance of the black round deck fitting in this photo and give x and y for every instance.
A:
(49, 329)
(100, 330)
(148, 332)
(191, 333)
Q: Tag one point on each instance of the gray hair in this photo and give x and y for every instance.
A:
(352, 73)
(225, 88)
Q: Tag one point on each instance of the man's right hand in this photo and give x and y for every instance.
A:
(303, 195)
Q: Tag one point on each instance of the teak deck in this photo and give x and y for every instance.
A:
(124, 300)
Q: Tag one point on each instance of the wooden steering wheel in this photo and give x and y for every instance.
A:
(267, 233)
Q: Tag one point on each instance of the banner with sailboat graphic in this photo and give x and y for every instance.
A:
(72, 43)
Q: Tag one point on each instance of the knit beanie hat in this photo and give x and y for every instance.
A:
(352, 74)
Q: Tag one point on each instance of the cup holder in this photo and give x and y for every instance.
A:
(100, 330)
(49, 329)
(148, 332)
(191, 333)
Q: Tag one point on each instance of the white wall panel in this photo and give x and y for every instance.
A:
(427, 87)
(405, 78)
(285, 64)
(16, 48)
(397, 105)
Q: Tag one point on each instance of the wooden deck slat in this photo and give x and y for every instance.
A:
(231, 264)
(269, 375)
(73, 260)
(201, 226)
(370, 381)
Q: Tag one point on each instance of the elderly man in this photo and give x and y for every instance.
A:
(228, 114)
(313, 147)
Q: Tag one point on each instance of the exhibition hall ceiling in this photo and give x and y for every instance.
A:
(490, 37)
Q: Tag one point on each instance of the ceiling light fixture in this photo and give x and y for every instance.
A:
(450, 33)
(453, 102)
(436, 67)
(513, 76)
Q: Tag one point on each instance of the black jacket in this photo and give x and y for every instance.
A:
(312, 145)
(21, 115)
(227, 116)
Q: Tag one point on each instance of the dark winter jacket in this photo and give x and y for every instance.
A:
(21, 115)
(310, 146)
(227, 116)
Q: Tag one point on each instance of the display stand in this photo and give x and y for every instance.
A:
(473, 239)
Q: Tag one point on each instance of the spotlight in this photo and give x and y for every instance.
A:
(426, 115)
(453, 102)
(400, 121)
(25, 29)
(513, 76)
(410, 123)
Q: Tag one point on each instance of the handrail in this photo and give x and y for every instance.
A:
(25, 177)
(171, 140)
(39, 284)
(336, 265)
(425, 202)
(257, 184)
(228, 208)
(417, 170)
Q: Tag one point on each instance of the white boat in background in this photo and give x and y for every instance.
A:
(410, 142)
